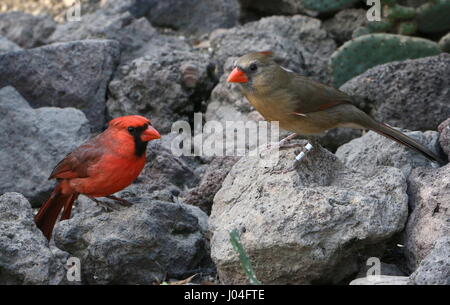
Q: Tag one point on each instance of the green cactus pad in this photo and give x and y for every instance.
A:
(365, 52)
(399, 12)
(379, 26)
(407, 28)
(323, 6)
(434, 17)
(389, 2)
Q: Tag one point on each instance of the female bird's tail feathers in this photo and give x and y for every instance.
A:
(46, 218)
(401, 138)
(363, 120)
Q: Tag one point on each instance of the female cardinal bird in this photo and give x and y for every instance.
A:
(302, 105)
(100, 167)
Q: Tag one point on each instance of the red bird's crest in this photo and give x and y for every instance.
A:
(129, 120)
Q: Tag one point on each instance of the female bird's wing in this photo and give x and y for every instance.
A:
(311, 96)
(77, 163)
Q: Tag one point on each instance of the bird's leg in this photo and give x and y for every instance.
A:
(120, 201)
(282, 144)
(312, 142)
(101, 204)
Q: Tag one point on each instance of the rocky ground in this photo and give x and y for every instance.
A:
(360, 196)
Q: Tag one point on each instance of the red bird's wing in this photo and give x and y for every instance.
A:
(77, 163)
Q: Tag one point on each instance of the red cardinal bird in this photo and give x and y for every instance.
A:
(100, 167)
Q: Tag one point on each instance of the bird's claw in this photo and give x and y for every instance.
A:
(105, 206)
(120, 201)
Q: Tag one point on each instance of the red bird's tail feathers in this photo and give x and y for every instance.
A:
(46, 218)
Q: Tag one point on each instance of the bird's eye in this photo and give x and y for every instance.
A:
(253, 67)
(131, 129)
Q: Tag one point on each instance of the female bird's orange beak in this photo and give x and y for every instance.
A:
(150, 134)
(237, 76)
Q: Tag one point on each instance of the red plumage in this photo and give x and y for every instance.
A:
(100, 167)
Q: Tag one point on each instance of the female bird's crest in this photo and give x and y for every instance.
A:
(266, 53)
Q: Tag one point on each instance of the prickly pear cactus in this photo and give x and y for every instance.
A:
(434, 16)
(365, 52)
(431, 17)
(389, 2)
(399, 12)
(323, 6)
(406, 28)
(397, 19)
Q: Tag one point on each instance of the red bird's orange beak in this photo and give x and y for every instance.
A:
(150, 134)
(237, 76)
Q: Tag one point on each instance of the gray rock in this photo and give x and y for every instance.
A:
(143, 244)
(117, 20)
(299, 43)
(25, 257)
(33, 141)
(169, 83)
(411, 94)
(434, 269)
(382, 280)
(137, 8)
(334, 138)
(344, 23)
(26, 30)
(444, 43)
(122, 26)
(8, 46)
(73, 74)
(202, 16)
(385, 269)
(429, 200)
(55, 8)
(373, 150)
(444, 137)
(211, 182)
(100, 24)
(307, 225)
(138, 36)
